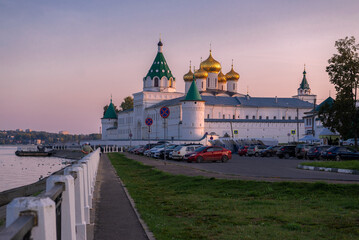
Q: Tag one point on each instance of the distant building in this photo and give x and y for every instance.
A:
(19, 130)
(28, 130)
(211, 104)
(64, 132)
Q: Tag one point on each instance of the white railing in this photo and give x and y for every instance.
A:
(62, 211)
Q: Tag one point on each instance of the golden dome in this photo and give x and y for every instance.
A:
(200, 73)
(222, 77)
(188, 76)
(211, 65)
(232, 75)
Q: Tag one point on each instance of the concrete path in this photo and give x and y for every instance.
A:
(114, 216)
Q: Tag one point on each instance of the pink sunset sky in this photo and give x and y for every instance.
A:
(60, 61)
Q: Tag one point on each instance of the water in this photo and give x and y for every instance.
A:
(19, 171)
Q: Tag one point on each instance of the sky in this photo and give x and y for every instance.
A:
(60, 61)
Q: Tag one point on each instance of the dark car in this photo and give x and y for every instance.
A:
(301, 150)
(269, 151)
(242, 151)
(286, 151)
(209, 154)
(316, 151)
(169, 149)
(340, 153)
(147, 147)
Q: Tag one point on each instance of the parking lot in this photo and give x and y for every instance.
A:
(268, 167)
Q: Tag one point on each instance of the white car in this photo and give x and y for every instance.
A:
(349, 142)
(179, 151)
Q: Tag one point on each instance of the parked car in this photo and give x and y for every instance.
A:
(349, 142)
(301, 150)
(255, 149)
(156, 149)
(159, 152)
(340, 153)
(242, 151)
(209, 154)
(316, 151)
(179, 152)
(286, 151)
(168, 152)
(269, 151)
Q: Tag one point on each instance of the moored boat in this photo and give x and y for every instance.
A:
(33, 152)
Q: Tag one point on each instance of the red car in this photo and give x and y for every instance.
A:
(211, 153)
(242, 151)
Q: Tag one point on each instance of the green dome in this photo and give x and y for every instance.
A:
(159, 67)
(193, 94)
(110, 112)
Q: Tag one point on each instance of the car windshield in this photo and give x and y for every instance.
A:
(331, 148)
(251, 147)
(177, 148)
(200, 149)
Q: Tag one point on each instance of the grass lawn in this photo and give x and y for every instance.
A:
(353, 165)
(180, 207)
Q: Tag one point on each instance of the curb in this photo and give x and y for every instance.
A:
(149, 234)
(337, 170)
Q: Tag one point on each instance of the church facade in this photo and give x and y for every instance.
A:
(210, 106)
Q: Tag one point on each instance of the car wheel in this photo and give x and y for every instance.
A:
(286, 155)
(224, 158)
(256, 154)
(200, 159)
(337, 158)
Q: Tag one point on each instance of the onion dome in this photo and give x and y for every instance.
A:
(210, 64)
(188, 76)
(200, 73)
(232, 75)
(222, 77)
(110, 112)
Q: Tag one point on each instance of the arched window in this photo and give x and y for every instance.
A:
(156, 82)
(208, 82)
(234, 86)
(170, 82)
(202, 85)
(222, 87)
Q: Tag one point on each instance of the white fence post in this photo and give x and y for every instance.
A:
(68, 221)
(45, 215)
(79, 200)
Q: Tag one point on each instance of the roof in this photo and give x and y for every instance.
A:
(304, 84)
(110, 112)
(329, 101)
(159, 67)
(244, 102)
(193, 94)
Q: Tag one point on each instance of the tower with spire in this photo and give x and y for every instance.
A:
(304, 91)
(193, 114)
(159, 78)
(109, 121)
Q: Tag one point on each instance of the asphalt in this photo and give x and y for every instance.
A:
(114, 215)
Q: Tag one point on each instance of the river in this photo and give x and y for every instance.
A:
(18, 171)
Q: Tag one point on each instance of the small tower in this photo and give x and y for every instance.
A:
(304, 91)
(212, 67)
(109, 120)
(201, 79)
(188, 78)
(232, 80)
(222, 81)
(159, 78)
(192, 114)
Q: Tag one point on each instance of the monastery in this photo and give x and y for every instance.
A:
(210, 107)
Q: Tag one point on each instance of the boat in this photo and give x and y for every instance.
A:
(33, 151)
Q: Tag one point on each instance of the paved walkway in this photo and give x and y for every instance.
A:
(114, 215)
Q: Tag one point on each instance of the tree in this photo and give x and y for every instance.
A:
(127, 103)
(343, 71)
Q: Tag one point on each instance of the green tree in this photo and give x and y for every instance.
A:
(343, 71)
(127, 103)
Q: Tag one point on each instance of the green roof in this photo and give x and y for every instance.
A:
(193, 94)
(304, 84)
(160, 68)
(329, 101)
(110, 112)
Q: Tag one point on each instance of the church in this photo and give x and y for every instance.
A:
(211, 106)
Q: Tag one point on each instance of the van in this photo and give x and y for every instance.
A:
(179, 151)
